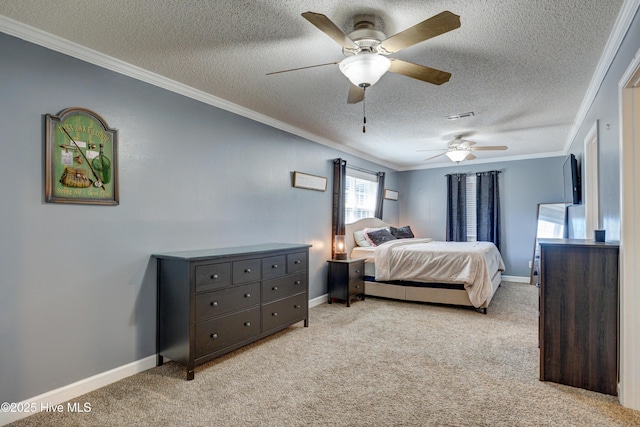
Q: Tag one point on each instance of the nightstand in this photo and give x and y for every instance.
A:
(346, 280)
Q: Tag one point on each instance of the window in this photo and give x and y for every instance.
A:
(361, 190)
(472, 223)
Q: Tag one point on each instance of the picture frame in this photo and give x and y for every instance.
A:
(81, 165)
(391, 194)
(309, 182)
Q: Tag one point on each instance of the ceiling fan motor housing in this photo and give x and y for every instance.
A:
(366, 37)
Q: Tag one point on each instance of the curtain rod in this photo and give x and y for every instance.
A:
(460, 173)
(362, 169)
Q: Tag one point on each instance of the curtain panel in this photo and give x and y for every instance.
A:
(339, 182)
(380, 196)
(488, 207)
(457, 207)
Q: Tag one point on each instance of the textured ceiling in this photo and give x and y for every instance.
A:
(522, 66)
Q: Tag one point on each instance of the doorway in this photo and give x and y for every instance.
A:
(629, 387)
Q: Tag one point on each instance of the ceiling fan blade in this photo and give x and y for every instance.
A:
(433, 157)
(301, 68)
(432, 27)
(356, 94)
(489, 147)
(470, 157)
(420, 72)
(325, 25)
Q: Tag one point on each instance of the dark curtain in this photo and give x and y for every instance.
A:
(457, 207)
(380, 198)
(488, 207)
(339, 182)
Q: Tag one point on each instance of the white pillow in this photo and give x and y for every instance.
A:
(358, 236)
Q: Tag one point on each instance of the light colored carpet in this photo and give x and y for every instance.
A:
(377, 363)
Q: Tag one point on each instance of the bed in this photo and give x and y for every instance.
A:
(462, 273)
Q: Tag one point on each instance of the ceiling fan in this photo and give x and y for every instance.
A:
(459, 149)
(366, 50)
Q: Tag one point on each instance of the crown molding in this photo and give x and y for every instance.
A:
(75, 50)
(620, 28)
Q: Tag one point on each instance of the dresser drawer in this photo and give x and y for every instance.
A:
(213, 276)
(224, 301)
(221, 332)
(284, 311)
(283, 287)
(296, 262)
(274, 266)
(356, 270)
(356, 286)
(245, 271)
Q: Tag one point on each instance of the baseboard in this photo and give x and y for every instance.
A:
(318, 300)
(517, 279)
(72, 391)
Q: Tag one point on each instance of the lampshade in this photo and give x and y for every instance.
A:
(340, 247)
(457, 155)
(365, 69)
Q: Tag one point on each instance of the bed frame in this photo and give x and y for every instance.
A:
(411, 291)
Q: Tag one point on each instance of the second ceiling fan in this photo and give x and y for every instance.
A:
(367, 49)
(459, 149)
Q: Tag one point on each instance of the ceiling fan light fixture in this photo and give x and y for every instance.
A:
(364, 70)
(457, 155)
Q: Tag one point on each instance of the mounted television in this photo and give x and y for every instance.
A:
(571, 176)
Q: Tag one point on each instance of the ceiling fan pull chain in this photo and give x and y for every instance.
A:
(364, 110)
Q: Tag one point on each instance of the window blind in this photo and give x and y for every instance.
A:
(472, 227)
(361, 190)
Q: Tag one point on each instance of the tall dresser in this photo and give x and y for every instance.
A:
(211, 302)
(579, 314)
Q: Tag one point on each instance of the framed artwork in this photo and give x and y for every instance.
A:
(81, 164)
(390, 194)
(310, 182)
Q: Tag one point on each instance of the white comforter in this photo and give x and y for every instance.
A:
(426, 260)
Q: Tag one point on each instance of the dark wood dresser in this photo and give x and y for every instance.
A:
(579, 314)
(211, 302)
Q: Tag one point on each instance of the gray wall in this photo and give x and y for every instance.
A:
(606, 110)
(78, 284)
(523, 184)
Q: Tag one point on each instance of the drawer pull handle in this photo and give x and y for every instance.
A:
(297, 261)
(214, 303)
(247, 324)
(357, 271)
(275, 314)
(275, 288)
(297, 282)
(274, 266)
(296, 306)
(247, 295)
(214, 336)
(248, 270)
(214, 276)
(357, 286)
